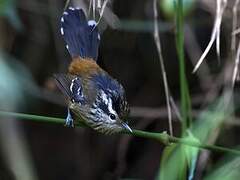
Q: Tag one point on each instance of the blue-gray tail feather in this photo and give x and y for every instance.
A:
(81, 36)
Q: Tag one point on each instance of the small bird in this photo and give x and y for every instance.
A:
(94, 97)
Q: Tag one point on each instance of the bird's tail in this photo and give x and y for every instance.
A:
(81, 36)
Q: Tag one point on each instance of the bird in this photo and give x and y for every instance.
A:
(94, 97)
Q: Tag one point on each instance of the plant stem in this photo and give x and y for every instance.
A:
(184, 91)
(164, 74)
(31, 117)
(160, 137)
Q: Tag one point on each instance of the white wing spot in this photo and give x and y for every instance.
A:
(62, 19)
(67, 47)
(65, 13)
(71, 86)
(99, 37)
(62, 32)
(92, 23)
(78, 90)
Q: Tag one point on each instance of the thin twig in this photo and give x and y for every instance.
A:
(160, 137)
(94, 9)
(66, 5)
(235, 32)
(194, 51)
(233, 44)
(218, 32)
(175, 109)
(159, 49)
(234, 25)
(215, 33)
(236, 66)
(102, 10)
(165, 138)
(89, 8)
(99, 4)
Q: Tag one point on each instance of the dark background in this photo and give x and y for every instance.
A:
(59, 153)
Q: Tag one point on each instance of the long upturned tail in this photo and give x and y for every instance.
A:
(81, 36)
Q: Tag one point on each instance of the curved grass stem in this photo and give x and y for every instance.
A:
(160, 137)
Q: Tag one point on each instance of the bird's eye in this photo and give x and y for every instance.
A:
(112, 116)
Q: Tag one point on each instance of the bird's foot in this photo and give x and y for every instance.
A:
(69, 120)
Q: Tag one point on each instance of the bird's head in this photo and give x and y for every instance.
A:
(107, 114)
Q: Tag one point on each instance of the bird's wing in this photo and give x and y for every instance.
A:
(71, 86)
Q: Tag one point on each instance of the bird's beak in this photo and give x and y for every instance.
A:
(126, 127)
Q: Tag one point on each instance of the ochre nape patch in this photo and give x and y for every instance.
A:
(83, 67)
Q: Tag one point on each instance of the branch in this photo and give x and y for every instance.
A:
(160, 137)
(164, 75)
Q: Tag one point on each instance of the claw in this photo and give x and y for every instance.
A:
(69, 120)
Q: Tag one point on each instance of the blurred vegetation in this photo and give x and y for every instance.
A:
(205, 105)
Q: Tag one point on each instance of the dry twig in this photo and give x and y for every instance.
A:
(234, 26)
(159, 50)
(221, 5)
(236, 66)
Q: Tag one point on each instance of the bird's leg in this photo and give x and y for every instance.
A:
(69, 120)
